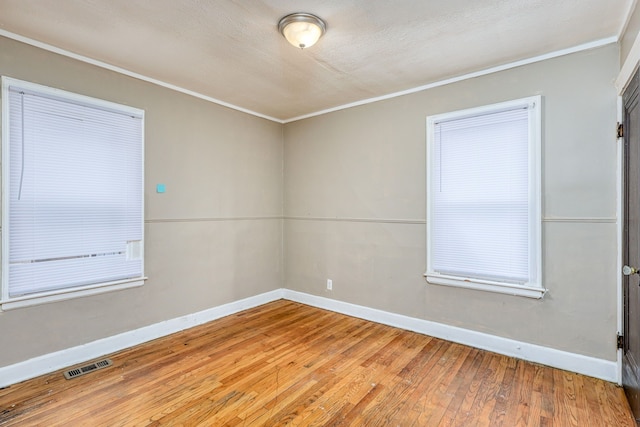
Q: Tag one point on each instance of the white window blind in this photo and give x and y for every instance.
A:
(483, 216)
(73, 202)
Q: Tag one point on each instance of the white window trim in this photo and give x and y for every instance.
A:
(7, 302)
(69, 293)
(531, 290)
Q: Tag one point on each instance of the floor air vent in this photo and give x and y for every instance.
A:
(76, 372)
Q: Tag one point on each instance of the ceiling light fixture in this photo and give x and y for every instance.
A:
(302, 29)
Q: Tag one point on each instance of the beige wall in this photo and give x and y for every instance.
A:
(354, 206)
(214, 237)
(353, 197)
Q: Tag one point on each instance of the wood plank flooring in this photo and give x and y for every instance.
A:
(285, 363)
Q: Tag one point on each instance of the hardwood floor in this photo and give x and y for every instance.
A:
(285, 363)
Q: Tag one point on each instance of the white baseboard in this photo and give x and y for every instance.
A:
(51, 362)
(598, 368)
(591, 366)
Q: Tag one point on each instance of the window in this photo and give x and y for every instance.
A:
(483, 201)
(72, 206)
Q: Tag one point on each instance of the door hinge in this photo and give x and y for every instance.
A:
(620, 341)
(620, 130)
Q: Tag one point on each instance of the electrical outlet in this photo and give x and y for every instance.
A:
(329, 284)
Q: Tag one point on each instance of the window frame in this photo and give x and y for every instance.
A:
(533, 288)
(6, 301)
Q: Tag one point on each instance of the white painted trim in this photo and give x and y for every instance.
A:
(69, 293)
(562, 52)
(47, 363)
(591, 366)
(126, 72)
(4, 172)
(69, 97)
(21, 371)
(533, 288)
(6, 301)
(619, 237)
(551, 55)
(629, 67)
(486, 285)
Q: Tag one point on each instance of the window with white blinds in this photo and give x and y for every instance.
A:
(72, 193)
(483, 212)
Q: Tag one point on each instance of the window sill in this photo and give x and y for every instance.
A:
(71, 293)
(486, 285)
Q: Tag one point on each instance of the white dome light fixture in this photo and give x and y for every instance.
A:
(302, 29)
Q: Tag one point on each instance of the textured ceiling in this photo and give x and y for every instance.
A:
(230, 50)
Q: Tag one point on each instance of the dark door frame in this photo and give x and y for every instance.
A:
(627, 167)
